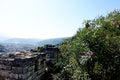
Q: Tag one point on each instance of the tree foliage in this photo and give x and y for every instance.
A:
(94, 52)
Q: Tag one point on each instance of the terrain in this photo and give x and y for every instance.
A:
(18, 44)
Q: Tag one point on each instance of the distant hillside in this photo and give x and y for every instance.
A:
(21, 41)
(51, 41)
(3, 38)
(18, 44)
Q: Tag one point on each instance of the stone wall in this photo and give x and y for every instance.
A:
(22, 69)
(26, 65)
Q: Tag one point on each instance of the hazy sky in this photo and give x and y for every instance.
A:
(49, 18)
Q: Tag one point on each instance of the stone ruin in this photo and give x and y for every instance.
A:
(26, 65)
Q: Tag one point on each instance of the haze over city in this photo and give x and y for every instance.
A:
(45, 19)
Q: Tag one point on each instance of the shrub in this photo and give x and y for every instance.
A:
(94, 52)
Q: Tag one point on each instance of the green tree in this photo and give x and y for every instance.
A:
(94, 52)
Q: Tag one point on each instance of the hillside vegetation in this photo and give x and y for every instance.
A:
(93, 53)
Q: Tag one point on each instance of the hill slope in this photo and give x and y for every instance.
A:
(51, 41)
(21, 41)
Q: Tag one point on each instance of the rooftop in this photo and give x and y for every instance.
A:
(18, 55)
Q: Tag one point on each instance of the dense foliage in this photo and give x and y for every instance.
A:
(93, 53)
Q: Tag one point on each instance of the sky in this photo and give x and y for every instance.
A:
(46, 19)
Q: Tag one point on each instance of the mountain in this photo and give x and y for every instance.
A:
(51, 41)
(18, 44)
(30, 41)
(21, 41)
(3, 38)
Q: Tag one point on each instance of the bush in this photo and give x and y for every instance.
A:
(94, 52)
(104, 41)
